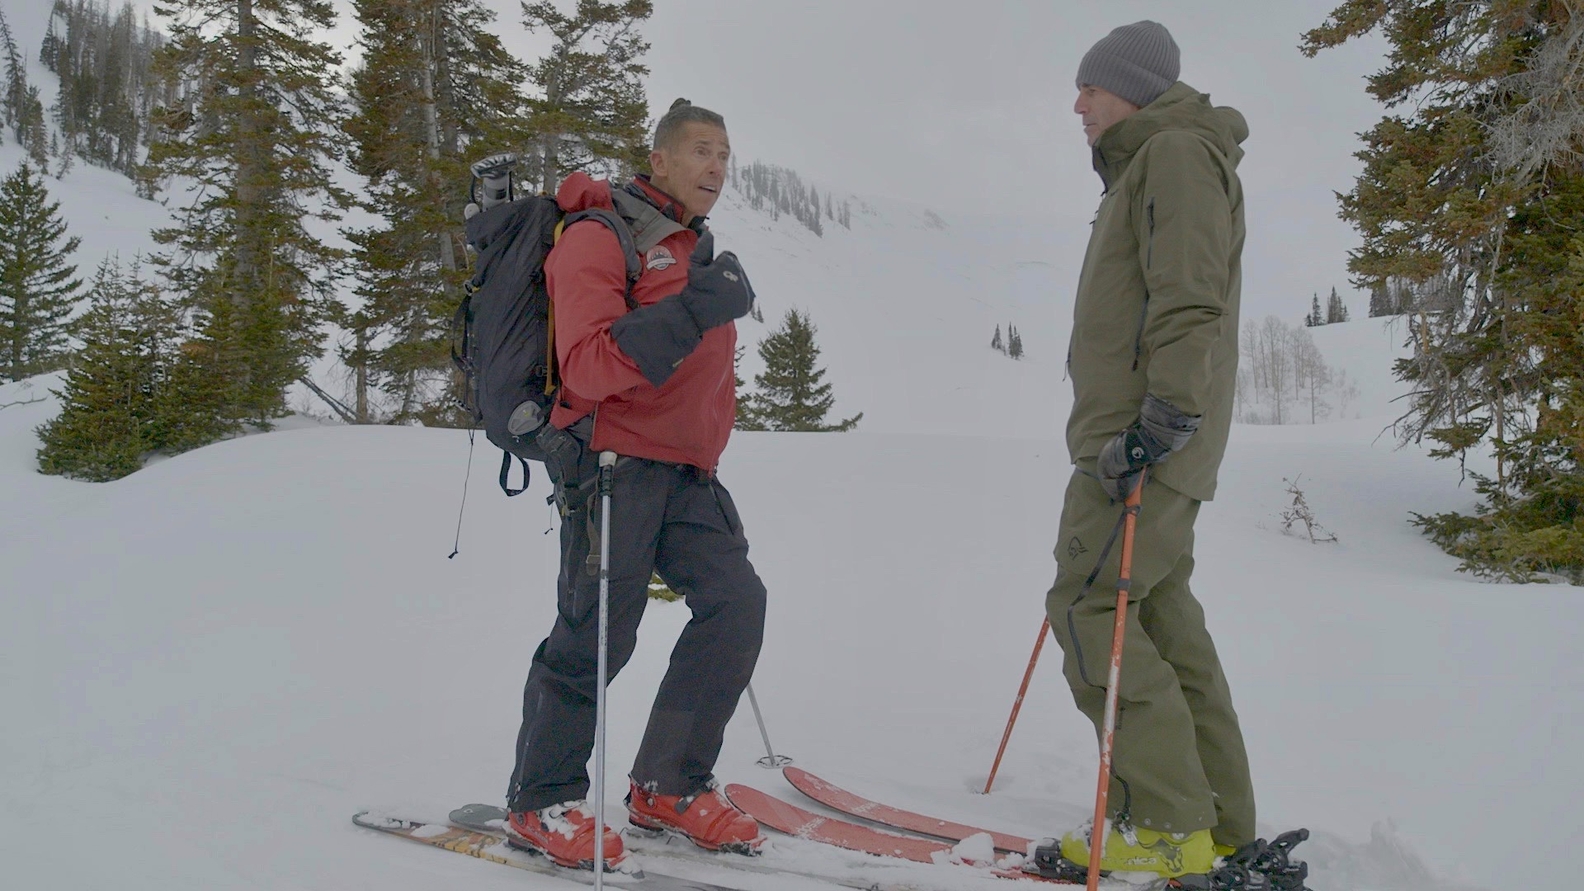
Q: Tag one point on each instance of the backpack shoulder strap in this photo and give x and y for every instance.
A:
(624, 237)
(649, 225)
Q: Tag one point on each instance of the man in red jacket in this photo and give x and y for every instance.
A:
(646, 354)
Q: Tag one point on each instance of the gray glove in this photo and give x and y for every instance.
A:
(1160, 430)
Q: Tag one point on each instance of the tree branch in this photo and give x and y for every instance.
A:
(339, 407)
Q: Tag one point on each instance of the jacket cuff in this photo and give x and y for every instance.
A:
(1169, 425)
(657, 338)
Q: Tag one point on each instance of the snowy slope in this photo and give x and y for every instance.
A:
(906, 308)
(100, 207)
(269, 624)
(223, 656)
(219, 659)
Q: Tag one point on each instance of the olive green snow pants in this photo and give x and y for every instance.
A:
(1178, 762)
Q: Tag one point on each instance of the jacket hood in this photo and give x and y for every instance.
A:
(1180, 108)
(579, 191)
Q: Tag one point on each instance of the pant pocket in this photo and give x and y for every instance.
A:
(728, 509)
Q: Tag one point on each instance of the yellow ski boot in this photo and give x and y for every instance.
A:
(1128, 849)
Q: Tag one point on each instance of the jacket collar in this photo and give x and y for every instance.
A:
(1179, 108)
(645, 188)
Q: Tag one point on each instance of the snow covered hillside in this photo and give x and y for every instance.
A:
(207, 667)
(215, 661)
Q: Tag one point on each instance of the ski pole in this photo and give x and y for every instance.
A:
(1114, 683)
(771, 759)
(607, 477)
(1017, 704)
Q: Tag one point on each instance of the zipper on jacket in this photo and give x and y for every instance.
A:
(1149, 259)
(1149, 250)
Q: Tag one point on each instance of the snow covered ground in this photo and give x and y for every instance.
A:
(212, 663)
(207, 667)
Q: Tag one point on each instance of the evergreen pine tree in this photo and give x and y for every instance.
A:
(1336, 310)
(104, 62)
(747, 417)
(591, 113)
(13, 79)
(434, 90)
(789, 394)
(1467, 206)
(257, 135)
(996, 343)
(1314, 319)
(49, 50)
(1380, 302)
(659, 590)
(19, 101)
(1014, 342)
(111, 403)
(37, 290)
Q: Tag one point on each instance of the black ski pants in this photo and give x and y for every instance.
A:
(673, 520)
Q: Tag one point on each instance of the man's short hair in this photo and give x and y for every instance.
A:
(682, 113)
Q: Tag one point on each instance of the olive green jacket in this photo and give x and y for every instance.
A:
(1157, 304)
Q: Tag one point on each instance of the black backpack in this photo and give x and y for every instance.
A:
(503, 337)
(503, 340)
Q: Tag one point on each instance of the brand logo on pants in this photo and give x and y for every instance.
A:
(1075, 548)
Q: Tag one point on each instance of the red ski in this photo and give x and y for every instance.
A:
(840, 799)
(790, 819)
(786, 817)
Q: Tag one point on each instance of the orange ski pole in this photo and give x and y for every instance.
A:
(1113, 685)
(1017, 703)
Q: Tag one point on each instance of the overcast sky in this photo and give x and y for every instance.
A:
(967, 106)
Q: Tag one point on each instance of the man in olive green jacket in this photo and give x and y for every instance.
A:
(1153, 361)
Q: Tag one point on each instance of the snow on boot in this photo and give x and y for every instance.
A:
(565, 834)
(706, 818)
(1128, 849)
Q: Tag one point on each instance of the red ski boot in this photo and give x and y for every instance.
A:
(565, 834)
(706, 818)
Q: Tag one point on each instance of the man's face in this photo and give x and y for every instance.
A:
(693, 169)
(1100, 109)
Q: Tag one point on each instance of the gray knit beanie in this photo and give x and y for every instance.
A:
(1138, 62)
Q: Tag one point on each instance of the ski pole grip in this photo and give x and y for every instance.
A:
(607, 473)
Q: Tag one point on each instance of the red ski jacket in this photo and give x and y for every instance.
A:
(686, 420)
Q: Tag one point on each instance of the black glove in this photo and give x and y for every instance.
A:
(659, 336)
(1160, 430)
(717, 291)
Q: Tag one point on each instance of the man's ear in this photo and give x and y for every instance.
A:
(657, 163)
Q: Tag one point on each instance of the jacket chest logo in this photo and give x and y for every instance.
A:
(659, 258)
